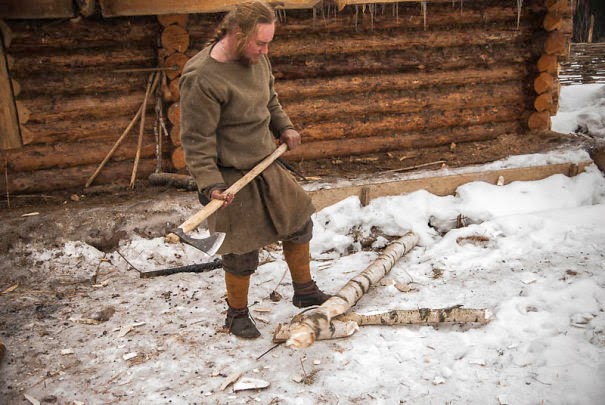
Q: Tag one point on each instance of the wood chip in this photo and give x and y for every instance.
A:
(11, 288)
(31, 214)
(248, 383)
(31, 399)
(231, 378)
(130, 356)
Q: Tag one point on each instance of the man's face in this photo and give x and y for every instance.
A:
(258, 43)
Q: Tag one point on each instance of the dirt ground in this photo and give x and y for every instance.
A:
(102, 217)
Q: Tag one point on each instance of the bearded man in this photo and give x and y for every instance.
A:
(230, 119)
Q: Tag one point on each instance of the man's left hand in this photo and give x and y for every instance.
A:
(290, 137)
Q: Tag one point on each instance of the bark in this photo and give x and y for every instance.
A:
(173, 179)
(294, 90)
(390, 142)
(409, 123)
(316, 322)
(503, 97)
(347, 324)
(73, 177)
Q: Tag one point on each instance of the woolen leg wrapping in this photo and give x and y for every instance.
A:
(297, 257)
(237, 290)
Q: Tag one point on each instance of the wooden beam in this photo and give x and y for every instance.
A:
(10, 136)
(115, 8)
(25, 9)
(440, 185)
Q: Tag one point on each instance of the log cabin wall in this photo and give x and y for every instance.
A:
(75, 93)
(358, 80)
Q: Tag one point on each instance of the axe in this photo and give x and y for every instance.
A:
(212, 243)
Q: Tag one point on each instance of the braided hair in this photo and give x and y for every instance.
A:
(244, 17)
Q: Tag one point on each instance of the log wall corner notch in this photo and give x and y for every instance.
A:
(558, 24)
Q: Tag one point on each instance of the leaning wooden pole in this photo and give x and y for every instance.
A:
(315, 323)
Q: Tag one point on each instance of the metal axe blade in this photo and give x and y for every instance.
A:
(209, 245)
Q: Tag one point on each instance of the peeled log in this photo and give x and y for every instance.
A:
(557, 44)
(539, 121)
(178, 158)
(317, 321)
(175, 38)
(552, 22)
(548, 64)
(174, 114)
(544, 102)
(544, 82)
(175, 134)
(178, 61)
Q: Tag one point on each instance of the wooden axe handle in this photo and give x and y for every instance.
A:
(214, 205)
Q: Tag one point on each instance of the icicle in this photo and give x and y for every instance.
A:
(423, 7)
(372, 8)
(519, 7)
(356, 16)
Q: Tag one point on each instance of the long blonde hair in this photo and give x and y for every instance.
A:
(243, 19)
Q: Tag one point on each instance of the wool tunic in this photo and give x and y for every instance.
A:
(229, 112)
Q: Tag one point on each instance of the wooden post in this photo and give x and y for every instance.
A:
(10, 136)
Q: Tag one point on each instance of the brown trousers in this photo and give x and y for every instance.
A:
(247, 263)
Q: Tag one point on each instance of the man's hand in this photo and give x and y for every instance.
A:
(290, 137)
(221, 195)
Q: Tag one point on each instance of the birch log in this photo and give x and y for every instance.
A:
(317, 322)
(347, 324)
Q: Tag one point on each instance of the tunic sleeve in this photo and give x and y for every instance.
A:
(200, 112)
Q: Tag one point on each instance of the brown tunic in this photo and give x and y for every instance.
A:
(228, 113)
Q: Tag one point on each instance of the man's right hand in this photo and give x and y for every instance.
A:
(227, 198)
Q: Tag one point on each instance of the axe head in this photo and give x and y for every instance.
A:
(208, 245)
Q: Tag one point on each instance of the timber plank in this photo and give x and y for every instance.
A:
(10, 136)
(115, 8)
(442, 185)
(26, 9)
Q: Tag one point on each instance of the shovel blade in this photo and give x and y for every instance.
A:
(209, 245)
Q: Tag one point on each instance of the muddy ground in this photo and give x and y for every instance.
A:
(34, 293)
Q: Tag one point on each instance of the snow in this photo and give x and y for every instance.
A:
(540, 269)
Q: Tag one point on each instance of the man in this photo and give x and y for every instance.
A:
(229, 115)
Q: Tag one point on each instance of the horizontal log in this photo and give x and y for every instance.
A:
(544, 102)
(291, 90)
(548, 64)
(174, 38)
(544, 82)
(175, 134)
(385, 143)
(440, 184)
(388, 41)
(26, 9)
(177, 60)
(201, 27)
(97, 60)
(178, 158)
(557, 44)
(539, 121)
(116, 8)
(63, 155)
(73, 177)
(34, 36)
(71, 84)
(49, 109)
(174, 113)
(552, 21)
(426, 101)
(385, 126)
(411, 60)
(88, 130)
